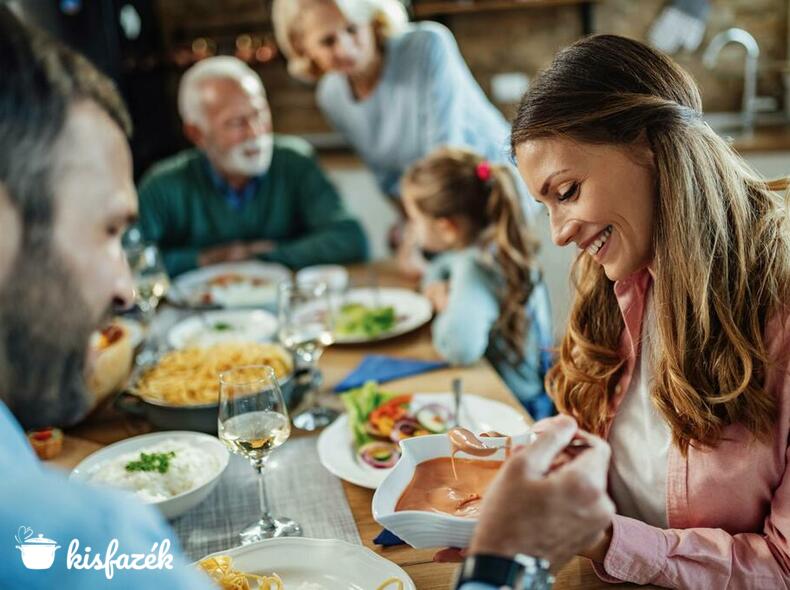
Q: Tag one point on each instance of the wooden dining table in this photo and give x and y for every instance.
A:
(107, 426)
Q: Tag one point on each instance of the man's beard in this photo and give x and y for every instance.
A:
(45, 325)
(235, 161)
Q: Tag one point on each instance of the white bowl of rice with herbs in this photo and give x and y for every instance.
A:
(174, 471)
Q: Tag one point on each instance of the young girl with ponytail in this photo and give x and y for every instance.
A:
(484, 285)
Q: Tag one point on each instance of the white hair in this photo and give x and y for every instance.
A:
(190, 100)
(389, 14)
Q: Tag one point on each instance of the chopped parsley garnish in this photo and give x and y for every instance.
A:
(222, 326)
(151, 462)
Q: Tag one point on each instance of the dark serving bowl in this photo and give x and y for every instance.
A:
(202, 418)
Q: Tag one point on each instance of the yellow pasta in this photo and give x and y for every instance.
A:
(191, 376)
(396, 583)
(220, 570)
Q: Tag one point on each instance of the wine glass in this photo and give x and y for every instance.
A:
(151, 281)
(253, 421)
(306, 327)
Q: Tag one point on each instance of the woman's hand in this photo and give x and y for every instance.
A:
(438, 294)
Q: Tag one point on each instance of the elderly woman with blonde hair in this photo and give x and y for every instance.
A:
(395, 90)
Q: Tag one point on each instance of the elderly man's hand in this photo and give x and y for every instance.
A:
(234, 252)
(537, 508)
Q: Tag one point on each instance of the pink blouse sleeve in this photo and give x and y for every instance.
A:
(711, 557)
(702, 557)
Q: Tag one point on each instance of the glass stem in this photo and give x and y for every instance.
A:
(310, 362)
(266, 516)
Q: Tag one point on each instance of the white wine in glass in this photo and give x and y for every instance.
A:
(151, 282)
(253, 421)
(150, 290)
(256, 434)
(306, 341)
(306, 327)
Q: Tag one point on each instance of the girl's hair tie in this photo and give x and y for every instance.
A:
(483, 171)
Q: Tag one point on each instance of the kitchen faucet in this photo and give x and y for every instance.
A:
(749, 43)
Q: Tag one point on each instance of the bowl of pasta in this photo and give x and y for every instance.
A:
(180, 390)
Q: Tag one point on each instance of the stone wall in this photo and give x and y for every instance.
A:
(522, 39)
(526, 40)
(766, 20)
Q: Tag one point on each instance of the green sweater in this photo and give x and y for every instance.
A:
(295, 206)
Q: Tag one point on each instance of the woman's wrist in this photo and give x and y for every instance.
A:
(598, 551)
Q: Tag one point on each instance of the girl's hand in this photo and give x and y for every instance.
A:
(438, 294)
(411, 262)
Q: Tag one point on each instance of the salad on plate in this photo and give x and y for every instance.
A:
(363, 321)
(379, 420)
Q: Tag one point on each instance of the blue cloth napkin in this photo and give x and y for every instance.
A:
(377, 367)
(387, 539)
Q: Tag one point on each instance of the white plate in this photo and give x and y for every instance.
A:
(190, 286)
(412, 310)
(134, 328)
(336, 448)
(177, 505)
(317, 564)
(238, 326)
(334, 275)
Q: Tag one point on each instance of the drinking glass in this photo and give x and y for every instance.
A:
(151, 281)
(306, 327)
(253, 421)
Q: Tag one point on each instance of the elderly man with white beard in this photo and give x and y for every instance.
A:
(242, 192)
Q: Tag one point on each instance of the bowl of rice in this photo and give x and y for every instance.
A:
(173, 471)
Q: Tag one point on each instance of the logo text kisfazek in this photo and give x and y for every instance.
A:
(158, 558)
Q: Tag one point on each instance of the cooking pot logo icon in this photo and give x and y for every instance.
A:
(38, 553)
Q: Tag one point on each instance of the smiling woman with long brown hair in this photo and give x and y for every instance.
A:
(677, 344)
